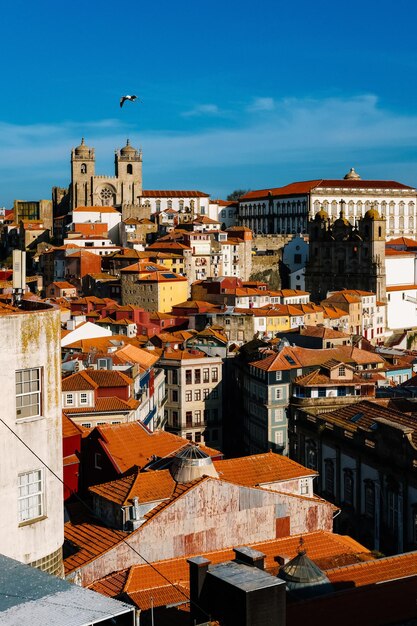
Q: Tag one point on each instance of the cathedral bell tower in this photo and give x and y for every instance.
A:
(128, 170)
(83, 162)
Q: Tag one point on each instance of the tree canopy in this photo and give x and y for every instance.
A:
(235, 195)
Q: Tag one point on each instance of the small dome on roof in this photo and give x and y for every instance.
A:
(128, 149)
(303, 577)
(342, 220)
(82, 149)
(372, 214)
(352, 175)
(321, 215)
(191, 463)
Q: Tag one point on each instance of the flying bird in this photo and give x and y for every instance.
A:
(124, 98)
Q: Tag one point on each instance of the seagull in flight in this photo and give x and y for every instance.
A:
(124, 98)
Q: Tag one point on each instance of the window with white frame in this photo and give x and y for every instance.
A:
(30, 495)
(279, 438)
(69, 399)
(83, 398)
(278, 393)
(304, 486)
(28, 393)
(278, 375)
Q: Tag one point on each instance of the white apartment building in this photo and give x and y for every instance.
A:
(194, 395)
(31, 518)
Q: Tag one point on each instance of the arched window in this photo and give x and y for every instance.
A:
(329, 477)
(83, 168)
(383, 208)
(348, 487)
(181, 205)
(158, 205)
(391, 222)
(129, 168)
(411, 222)
(311, 455)
(169, 204)
(391, 208)
(369, 498)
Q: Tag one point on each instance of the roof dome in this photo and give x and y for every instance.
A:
(303, 577)
(191, 463)
(321, 215)
(82, 149)
(128, 149)
(372, 214)
(352, 175)
(342, 220)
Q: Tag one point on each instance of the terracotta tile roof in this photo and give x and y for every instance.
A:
(317, 378)
(368, 415)
(167, 245)
(132, 444)
(152, 193)
(259, 469)
(278, 362)
(105, 405)
(102, 344)
(402, 241)
(203, 219)
(108, 378)
(393, 252)
(69, 428)
(133, 354)
(376, 571)
(95, 209)
(147, 486)
(171, 354)
(401, 288)
(112, 585)
(310, 186)
(160, 596)
(143, 267)
(323, 332)
(80, 381)
(63, 285)
(324, 548)
(90, 537)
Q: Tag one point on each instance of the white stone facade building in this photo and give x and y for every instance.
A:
(286, 210)
(31, 518)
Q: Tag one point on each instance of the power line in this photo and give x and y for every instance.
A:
(90, 510)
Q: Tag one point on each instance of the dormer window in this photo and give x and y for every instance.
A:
(342, 370)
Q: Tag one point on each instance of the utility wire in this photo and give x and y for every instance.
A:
(90, 510)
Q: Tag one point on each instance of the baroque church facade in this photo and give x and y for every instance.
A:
(343, 255)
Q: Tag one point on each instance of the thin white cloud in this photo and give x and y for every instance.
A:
(202, 110)
(261, 104)
(299, 139)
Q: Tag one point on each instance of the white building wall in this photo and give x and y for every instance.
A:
(401, 270)
(29, 341)
(401, 313)
(398, 207)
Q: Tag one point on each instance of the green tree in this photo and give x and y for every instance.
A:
(235, 195)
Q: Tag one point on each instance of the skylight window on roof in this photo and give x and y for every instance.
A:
(374, 426)
(150, 268)
(356, 417)
(168, 275)
(290, 360)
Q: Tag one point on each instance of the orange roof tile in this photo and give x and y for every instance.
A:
(105, 405)
(324, 548)
(69, 428)
(132, 444)
(147, 486)
(95, 209)
(258, 469)
(376, 571)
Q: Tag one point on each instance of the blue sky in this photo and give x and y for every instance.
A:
(233, 94)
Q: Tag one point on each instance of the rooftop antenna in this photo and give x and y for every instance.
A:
(19, 276)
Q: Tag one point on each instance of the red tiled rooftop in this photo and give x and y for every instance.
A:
(259, 469)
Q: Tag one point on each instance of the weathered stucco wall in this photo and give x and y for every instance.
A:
(31, 340)
(211, 516)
